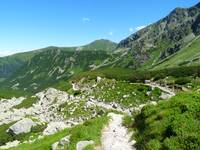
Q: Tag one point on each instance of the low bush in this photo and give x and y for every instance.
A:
(172, 124)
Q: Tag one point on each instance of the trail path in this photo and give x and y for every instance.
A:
(115, 136)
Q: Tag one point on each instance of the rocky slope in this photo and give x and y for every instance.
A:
(54, 110)
(160, 40)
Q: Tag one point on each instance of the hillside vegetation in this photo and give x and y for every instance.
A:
(55, 63)
(152, 78)
(188, 56)
(172, 124)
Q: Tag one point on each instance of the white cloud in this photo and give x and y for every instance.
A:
(86, 19)
(140, 27)
(110, 33)
(130, 29)
(6, 53)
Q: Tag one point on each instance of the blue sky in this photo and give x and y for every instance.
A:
(32, 24)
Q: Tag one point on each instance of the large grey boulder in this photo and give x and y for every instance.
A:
(22, 126)
(82, 144)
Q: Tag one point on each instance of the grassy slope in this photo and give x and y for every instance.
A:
(28, 102)
(55, 63)
(124, 93)
(90, 130)
(10, 64)
(190, 55)
(101, 45)
(172, 124)
(7, 94)
(8, 137)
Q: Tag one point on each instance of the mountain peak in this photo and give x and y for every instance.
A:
(197, 5)
(101, 44)
(103, 41)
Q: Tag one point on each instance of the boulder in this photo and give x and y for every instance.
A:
(98, 79)
(10, 144)
(165, 96)
(54, 127)
(82, 144)
(61, 144)
(65, 141)
(54, 146)
(22, 126)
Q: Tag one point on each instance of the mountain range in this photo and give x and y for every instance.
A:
(141, 93)
(171, 42)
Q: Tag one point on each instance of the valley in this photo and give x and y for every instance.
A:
(142, 93)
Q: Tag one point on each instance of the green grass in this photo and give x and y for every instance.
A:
(63, 85)
(110, 73)
(4, 136)
(7, 94)
(172, 124)
(90, 130)
(79, 108)
(122, 74)
(8, 137)
(125, 93)
(186, 56)
(28, 102)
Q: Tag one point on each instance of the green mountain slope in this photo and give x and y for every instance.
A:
(101, 44)
(56, 63)
(160, 40)
(187, 56)
(11, 63)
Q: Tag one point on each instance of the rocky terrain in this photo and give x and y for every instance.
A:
(142, 93)
(160, 40)
(56, 110)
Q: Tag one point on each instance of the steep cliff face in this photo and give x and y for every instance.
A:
(161, 39)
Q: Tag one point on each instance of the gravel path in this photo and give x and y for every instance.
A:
(115, 136)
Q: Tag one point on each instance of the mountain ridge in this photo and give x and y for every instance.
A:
(153, 46)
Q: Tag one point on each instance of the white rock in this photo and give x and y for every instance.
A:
(165, 95)
(54, 146)
(153, 103)
(10, 144)
(65, 141)
(82, 144)
(99, 79)
(54, 127)
(22, 126)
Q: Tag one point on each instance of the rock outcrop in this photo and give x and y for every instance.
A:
(54, 127)
(61, 144)
(22, 126)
